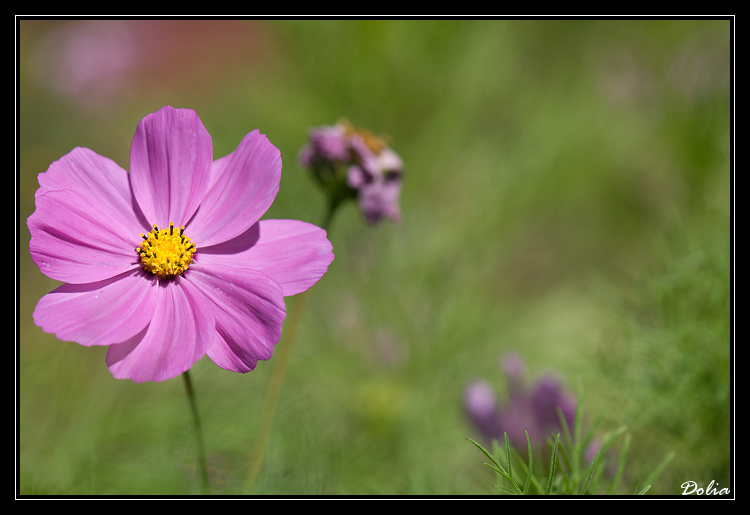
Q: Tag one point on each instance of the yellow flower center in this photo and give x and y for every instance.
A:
(166, 252)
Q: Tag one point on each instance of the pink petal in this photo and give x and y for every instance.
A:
(230, 356)
(100, 180)
(249, 311)
(245, 183)
(101, 313)
(180, 332)
(78, 242)
(170, 162)
(294, 254)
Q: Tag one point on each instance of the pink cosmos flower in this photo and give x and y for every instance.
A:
(169, 262)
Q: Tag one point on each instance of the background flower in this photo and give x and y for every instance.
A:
(533, 410)
(372, 169)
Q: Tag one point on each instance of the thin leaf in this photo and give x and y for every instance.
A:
(525, 470)
(620, 466)
(507, 490)
(531, 465)
(507, 456)
(590, 432)
(610, 438)
(497, 467)
(607, 442)
(497, 449)
(490, 456)
(591, 473)
(643, 492)
(566, 429)
(493, 467)
(565, 462)
(507, 459)
(659, 468)
(553, 461)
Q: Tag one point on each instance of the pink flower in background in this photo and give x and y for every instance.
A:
(326, 144)
(89, 62)
(378, 180)
(100, 63)
(169, 262)
(373, 170)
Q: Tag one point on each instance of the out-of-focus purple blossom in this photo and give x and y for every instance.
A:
(98, 63)
(378, 180)
(548, 395)
(479, 400)
(373, 171)
(89, 62)
(326, 144)
(532, 410)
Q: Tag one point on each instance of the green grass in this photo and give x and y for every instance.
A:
(567, 197)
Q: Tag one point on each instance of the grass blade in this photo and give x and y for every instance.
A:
(496, 467)
(507, 459)
(590, 432)
(620, 466)
(531, 465)
(500, 468)
(566, 429)
(659, 469)
(591, 473)
(553, 461)
(525, 470)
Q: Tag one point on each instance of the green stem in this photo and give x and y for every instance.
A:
(281, 357)
(277, 377)
(202, 472)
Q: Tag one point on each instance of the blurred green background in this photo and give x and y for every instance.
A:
(566, 197)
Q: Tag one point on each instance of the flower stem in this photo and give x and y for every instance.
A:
(202, 472)
(277, 377)
(279, 367)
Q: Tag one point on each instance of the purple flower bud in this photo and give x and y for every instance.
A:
(479, 402)
(548, 395)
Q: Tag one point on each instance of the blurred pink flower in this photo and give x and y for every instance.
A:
(169, 262)
(534, 411)
(95, 63)
(373, 170)
(88, 62)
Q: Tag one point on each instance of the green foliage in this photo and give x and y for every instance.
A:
(571, 474)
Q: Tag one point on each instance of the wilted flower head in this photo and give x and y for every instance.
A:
(340, 155)
(169, 262)
(532, 410)
(327, 144)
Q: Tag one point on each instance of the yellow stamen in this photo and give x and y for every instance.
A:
(165, 253)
